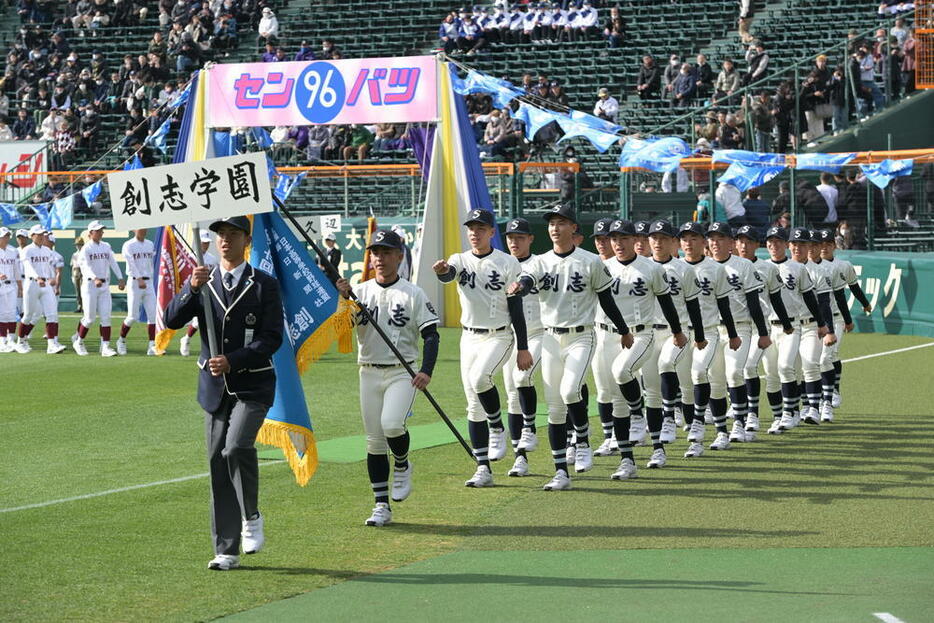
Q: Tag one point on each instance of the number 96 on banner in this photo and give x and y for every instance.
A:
(320, 92)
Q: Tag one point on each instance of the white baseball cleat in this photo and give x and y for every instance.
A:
(107, 351)
(722, 442)
(481, 478)
(695, 449)
(381, 515)
(184, 346)
(121, 346)
(669, 431)
(79, 347)
(497, 449)
(6, 347)
(583, 458)
(54, 348)
(151, 350)
(627, 470)
(837, 400)
(570, 454)
(609, 447)
(708, 416)
(637, 430)
(251, 535)
(224, 562)
(679, 416)
(826, 412)
(787, 422)
(560, 482)
(696, 434)
(528, 441)
(22, 347)
(401, 483)
(752, 422)
(811, 416)
(658, 459)
(520, 467)
(738, 434)
(776, 427)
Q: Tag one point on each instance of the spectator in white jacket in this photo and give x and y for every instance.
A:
(268, 27)
(606, 107)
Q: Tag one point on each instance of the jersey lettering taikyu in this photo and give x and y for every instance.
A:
(481, 286)
(531, 306)
(711, 282)
(795, 281)
(568, 286)
(771, 282)
(635, 286)
(743, 279)
(57, 260)
(138, 256)
(682, 285)
(10, 266)
(402, 311)
(97, 259)
(37, 262)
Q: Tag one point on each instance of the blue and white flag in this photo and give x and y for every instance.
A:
(600, 139)
(744, 176)
(534, 118)
(476, 82)
(827, 163)
(9, 214)
(62, 212)
(92, 192)
(159, 138)
(133, 164)
(662, 155)
(286, 184)
(752, 158)
(42, 213)
(882, 173)
(595, 122)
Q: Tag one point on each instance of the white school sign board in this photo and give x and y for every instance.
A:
(204, 190)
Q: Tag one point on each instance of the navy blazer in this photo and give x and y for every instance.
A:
(248, 332)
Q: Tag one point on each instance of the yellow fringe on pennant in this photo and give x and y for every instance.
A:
(339, 328)
(162, 340)
(282, 436)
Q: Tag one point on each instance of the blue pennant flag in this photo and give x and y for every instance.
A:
(92, 192)
(286, 184)
(662, 155)
(315, 317)
(42, 213)
(134, 163)
(742, 156)
(183, 97)
(534, 118)
(476, 82)
(262, 137)
(600, 139)
(744, 176)
(9, 214)
(158, 139)
(881, 173)
(827, 163)
(595, 122)
(62, 212)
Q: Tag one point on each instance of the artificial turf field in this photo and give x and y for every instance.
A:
(832, 523)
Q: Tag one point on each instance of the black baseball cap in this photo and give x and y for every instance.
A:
(691, 227)
(240, 222)
(479, 215)
(801, 234)
(720, 227)
(518, 226)
(641, 227)
(564, 210)
(777, 232)
(823, 235)
(622, 227)
(385, 238)
(663, 227)
(748, 231)
(601, 227)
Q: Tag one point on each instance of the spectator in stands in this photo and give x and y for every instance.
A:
(684, 87)
(188, 55)
(557, 95)
(269, 54)
(318, 136)
(360, 140)
(852, 206)
(614, 30)
(783, 108)
(783, 220)
(497, 135)
(584, 24)
(757, 60)
(729, 135)
(908, 63)
(728, 81)
(4, 105)
(809, 98)
(88, 129)
(704, 77)
(606, 107)
(225, 34)
(811, 203)
(305, 53)
(762, 121)
(782, 202)
(730, 198)
(757, 210)
(470, 36)
(63, 147)
(135, 128)
(746, 11)
(448, 32)
(649, 81)
(829, 192)
(51, 124)
(83, 14)
(386, 134)
(6, 134)
(867, 81)
(903, 191)
(671, 72)
(836, 93)
(268, 27)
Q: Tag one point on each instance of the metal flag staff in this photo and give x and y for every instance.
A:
(205, 296)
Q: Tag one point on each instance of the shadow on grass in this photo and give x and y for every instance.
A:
(692, 532)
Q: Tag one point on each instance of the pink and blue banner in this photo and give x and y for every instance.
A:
(363, 91)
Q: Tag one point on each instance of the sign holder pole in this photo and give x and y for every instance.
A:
(205, 295)
(332, 272)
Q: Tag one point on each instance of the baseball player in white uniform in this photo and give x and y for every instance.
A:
(716, 313)
(22, 241)
(642, 238)
(139, 255)
(184, 347)
(11, 287)
(482, 275)
(387, 392)
(608, 395)
(570, 281)
(816, 334)
(668, 369)
(58, 263)
(521, 396)
(39, 292)
(849, 276)
(97, 261)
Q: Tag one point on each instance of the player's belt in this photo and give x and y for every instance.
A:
(836, 313)
(776, 323)
(807, 320)
(611, 329)
(143, 278)
(482, 331)
(384, 365)
(38, 279)
(660, 327)
(7, 282)
(564, 330)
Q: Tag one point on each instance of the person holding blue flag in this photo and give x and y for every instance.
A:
(237, 385)
(387, 391)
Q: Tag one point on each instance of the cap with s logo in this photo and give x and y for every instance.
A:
(662, 227)
(624, 228)
(777, 232)
(385, 238)
(601, 227)
(480, 216)
(564, 211)
(518, 226)
(801, 234)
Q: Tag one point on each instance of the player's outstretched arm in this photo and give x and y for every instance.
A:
(445, 271)
(521, 287)
(857, 291)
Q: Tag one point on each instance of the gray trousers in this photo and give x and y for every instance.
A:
(231, 434)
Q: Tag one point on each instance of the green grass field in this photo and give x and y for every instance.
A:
(824, 524)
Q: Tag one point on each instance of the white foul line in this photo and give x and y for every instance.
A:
(196, 476)
(888, 618)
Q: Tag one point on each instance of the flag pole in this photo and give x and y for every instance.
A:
(332, 272)
(205, 295)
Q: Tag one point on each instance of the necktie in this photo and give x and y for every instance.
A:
(228, 281)
(228, 288)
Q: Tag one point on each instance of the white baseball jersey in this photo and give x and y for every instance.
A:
(402, 311)
(568, 285)
(481, 287)
(837, 282)
(10, 266)
(96, 259)
(635, 285)
(768, 272)
(682, 285)
(138, 256)
(711, 285)
(57, 260)
(845, 270)
(796, 281)
(531, 306)
(38, 262)
(743, 279)
(820, 276)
